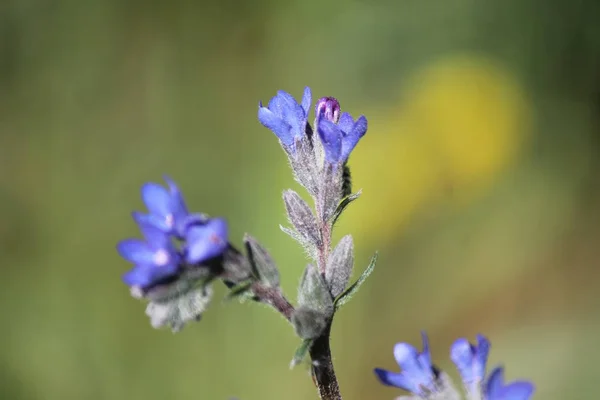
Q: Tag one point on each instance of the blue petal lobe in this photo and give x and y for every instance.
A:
(331, 137)
(157, 199)
(407, 357)
(146, 275)
(279, 127)
(150, 219)
(135, 251)
(306, 100)
(346, 123)
(461, 354)
(493, 386)
(483, 350)
(206, 241)
(178, 203)
(425, 356)
(517, 391)
(395, 379)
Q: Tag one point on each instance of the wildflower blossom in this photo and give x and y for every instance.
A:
(155, 258)
(286, 118)
(422, 379)
(417, 373)
(167, 207)
(340, 139)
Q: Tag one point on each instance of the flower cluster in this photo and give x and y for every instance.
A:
(181, 253)
(339, 133)
(177, 250)
(420, 377)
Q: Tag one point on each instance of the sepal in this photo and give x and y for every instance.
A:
(261, 262)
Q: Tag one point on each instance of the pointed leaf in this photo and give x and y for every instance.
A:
(313, 292)
(343, 204)
(301, 217)
(339, 266)
(301, 352)
(262, 264)
(347, 295)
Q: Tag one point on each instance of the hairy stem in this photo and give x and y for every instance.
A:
(322, 368)
(275, 298)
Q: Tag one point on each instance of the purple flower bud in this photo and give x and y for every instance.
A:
(328, 108)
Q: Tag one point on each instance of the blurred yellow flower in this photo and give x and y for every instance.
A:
(462, 122)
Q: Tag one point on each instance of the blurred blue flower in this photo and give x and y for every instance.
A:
(155, 258)
(167, 207)
(417, 375)
(496, 390)
(286, 118)
(340, 139)
(328, 108)
(206, 240)
(470, 360)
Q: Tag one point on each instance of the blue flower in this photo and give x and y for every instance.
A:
(167, 207)
(206, 240)
(470, 360)
(340, 139)
(418, 375)
(286, 118)
(496, 390)
(155, 258)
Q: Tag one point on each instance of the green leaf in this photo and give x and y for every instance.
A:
(262, 264)
(343, 204)
(301, 352)
(351, 291)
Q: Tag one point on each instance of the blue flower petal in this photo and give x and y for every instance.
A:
(461, 354)
(159, 203)
(517, 391)
(395, 379)
(306, 100)
(136, 251)
(352, 137)
(150, 219)
(177, 201)
(155, 236)
(407, 358)
(425, 356)
(346, 123)
(483, 350)
(147, 275)
(276, 124)
(206, 241)
(496, 390)
(331, 137)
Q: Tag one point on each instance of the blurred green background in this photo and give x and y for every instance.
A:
(479, 175)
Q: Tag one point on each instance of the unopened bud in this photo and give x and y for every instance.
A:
(329, 108)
